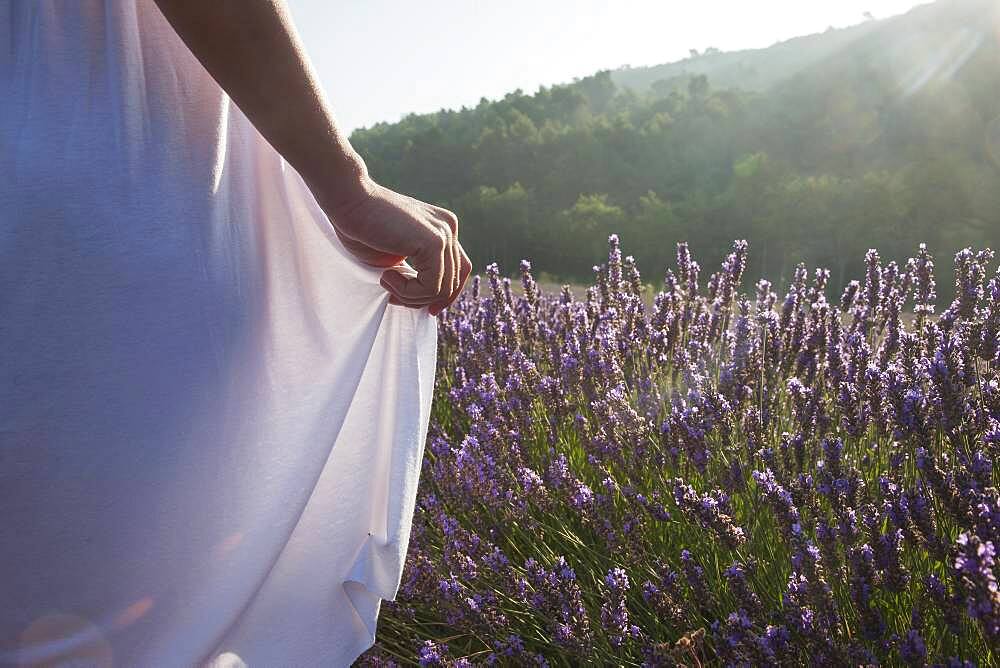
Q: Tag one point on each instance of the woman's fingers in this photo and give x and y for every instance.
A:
(441, 299)
(465, 271)
(407, 290)
(465, 268)
(431, 264)
(456, 284)
(451, 220)
(419, 290)
(461, 276)
(450, 272)
(440, 263)
(453, 260)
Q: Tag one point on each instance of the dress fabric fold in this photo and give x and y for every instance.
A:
(211, 420)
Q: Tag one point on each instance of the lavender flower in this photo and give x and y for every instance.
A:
(820, 458)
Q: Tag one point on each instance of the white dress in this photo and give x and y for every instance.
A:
(211, 420)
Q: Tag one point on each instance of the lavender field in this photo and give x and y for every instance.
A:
(717, 479)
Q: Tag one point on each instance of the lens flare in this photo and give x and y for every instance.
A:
(134, 612)
(993, 140)
(61, 639)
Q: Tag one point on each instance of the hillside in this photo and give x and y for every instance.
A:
(886, 134)
(750, 69)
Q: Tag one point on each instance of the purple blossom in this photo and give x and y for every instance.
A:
(819, 458)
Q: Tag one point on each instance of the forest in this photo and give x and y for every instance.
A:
(883, 135)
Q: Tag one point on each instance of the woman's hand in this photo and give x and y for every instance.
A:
(383, 228)
(253, 51)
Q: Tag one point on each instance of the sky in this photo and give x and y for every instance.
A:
(379, 60)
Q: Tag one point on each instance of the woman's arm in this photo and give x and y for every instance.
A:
(253, 52)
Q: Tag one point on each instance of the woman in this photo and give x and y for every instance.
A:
(212, 397)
